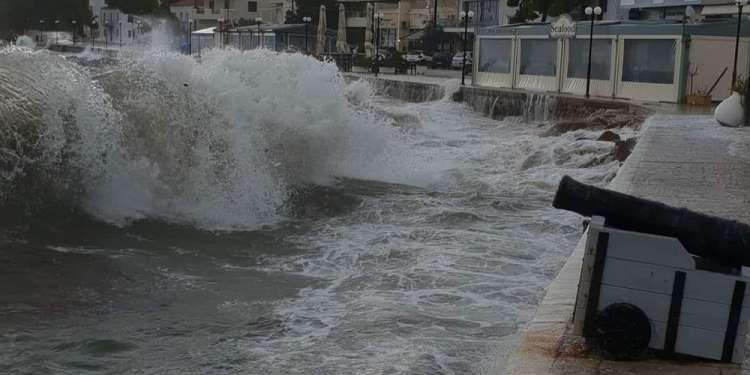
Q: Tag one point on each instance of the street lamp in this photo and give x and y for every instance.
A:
(593, 13)
(376, 68)
(41, 23)
(57, 32)
(260, 41)
(119, 31)
(466, 16)
(688, 13)
(740, 4)
(106, 34)
(307, 21)
(74, 22)
(137, 28)
(93, 26)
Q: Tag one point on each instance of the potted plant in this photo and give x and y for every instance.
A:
(700, 98)
(731, 111)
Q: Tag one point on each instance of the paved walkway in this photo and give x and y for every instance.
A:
(681, 160)
(414, 78)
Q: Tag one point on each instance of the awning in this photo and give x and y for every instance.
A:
(458, 30)
(206, 31)
(722, 10)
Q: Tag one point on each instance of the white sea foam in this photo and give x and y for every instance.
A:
(216, 144)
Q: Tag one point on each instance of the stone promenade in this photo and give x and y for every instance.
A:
(681, 160)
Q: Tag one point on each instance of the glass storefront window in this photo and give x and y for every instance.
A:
(539, 57)
(495, 55)
(601, 55)
(649, 61)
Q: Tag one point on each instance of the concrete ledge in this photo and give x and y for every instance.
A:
(683, 161)
(404, 87)
(498, 103)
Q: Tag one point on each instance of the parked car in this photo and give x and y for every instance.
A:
(418, 57)
(458, 60)
(441, 60)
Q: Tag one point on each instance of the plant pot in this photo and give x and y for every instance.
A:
(698, 99)
(731, 112)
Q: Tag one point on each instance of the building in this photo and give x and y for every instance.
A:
(489, 12)
(234, 12)
(401, 20)
(668, 9)
(283, 37)
(113, 25)
(637, 60)
(116, 27)
(183, 10)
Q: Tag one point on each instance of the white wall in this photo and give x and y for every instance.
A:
(704, 59)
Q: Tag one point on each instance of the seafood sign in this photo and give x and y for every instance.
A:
(563, 27)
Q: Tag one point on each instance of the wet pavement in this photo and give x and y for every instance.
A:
(682, 160)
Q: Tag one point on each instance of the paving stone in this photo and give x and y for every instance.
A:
(684, 161)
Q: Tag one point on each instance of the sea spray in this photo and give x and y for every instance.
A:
(217, 144)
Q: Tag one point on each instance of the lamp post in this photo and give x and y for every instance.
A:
(306, 20)
(41, 23)
(74, 22)
(466, 16)
(379, 17)
(740, 4)
(593, 13)
(686, 15)
(106, 34)
(221, 31)
(119, 31)
(57, 32)
(93, 26)
(259, 21)
(689, 12)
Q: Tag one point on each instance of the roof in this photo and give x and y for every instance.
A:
(713, 28)
(209, 30)
(187, 3)
(298, 28)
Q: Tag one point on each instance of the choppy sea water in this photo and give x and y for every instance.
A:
(257, 213)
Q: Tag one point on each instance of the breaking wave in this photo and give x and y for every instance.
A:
(221, 143)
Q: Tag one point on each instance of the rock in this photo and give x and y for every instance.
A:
(599, 160)
(609, 136)
(624, 148)
(534, 160)
(602, 119)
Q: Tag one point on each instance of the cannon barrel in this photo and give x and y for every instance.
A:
(722, 241)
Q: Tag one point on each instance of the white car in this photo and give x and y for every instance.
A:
(458, 60)
(418, 57)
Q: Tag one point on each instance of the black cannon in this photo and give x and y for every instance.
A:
(722, 241)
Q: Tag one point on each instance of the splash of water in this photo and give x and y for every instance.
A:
(217, 144)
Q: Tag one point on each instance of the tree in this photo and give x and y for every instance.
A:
(134, 6)
(529, 10)
(17, 16)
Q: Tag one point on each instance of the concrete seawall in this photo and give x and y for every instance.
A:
(407, 90)
(568, 112)
(498, 103)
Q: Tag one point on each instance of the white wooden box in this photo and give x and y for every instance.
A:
(691, 311)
